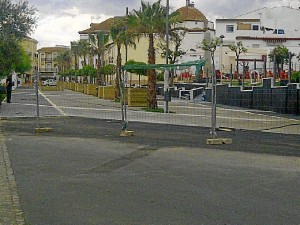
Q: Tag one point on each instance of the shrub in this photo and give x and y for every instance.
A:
(296, 77)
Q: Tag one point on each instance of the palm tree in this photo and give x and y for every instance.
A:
(84, 50)
(149, 21)
(75, 52)
(63, 60)
(120, 36)
(99, 43)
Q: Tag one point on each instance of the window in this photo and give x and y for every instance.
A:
(278, 31)
(229, 28)
(255, 46)
(255, 27)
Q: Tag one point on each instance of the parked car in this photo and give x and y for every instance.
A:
(49, 82)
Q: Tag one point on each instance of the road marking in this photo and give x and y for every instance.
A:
(172, 114)
(246, 111)
(54, 105)
(82, 108)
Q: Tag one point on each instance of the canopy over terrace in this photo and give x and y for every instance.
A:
(198, 64)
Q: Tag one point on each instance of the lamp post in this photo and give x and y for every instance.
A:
(221, 56)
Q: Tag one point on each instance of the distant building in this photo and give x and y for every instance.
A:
(197, 28)
(260, 31)
(192, 20)
(47, 64)
(140, 53)
(30, 47)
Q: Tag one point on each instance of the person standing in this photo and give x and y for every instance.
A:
(9, 85)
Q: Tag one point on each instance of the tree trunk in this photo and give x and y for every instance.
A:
(152, 101)
(99, 65)
(119, 71)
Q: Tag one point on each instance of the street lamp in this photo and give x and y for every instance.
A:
(221, 56)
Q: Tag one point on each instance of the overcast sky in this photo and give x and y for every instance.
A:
(60, 20)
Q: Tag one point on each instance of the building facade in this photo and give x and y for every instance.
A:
(260, 31)
(30, 47)
(47, 63)
(192, 21)
(197, 28)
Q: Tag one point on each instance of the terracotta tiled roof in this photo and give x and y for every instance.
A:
(188, 13)
(103, 26)
(52, 49)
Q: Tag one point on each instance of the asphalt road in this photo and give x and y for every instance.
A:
(85, 173)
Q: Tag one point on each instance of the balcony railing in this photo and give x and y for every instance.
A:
(47, 70)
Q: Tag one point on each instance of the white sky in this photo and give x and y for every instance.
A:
(60, 20)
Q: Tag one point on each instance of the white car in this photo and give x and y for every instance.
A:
(49, 82)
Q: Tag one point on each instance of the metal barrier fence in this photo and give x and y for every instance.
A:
(262, 108)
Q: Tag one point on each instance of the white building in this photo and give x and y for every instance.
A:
(260, 31)
(197, 26)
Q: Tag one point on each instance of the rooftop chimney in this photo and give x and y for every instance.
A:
(189, 3)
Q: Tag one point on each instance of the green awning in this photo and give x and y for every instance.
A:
(198, 63)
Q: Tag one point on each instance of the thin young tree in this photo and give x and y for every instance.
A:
(238, 49)
(211, 46)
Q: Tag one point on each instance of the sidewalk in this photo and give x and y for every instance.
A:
(10, 212)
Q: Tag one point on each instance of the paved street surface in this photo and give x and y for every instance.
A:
(85, 173)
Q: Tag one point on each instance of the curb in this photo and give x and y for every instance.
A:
(15, 199)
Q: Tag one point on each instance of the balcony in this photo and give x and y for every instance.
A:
(47, 59)
(44, 70)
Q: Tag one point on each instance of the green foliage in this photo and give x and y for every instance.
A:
(210, 45)
(16, 21)
(2, 97)
(109, 69)
(136, 71)
(281, 53)
(160, 76)
(83, 50)
(24, 63)
(158, 110)
(176, 38)
(296, 77)
(12, 58)
(87, 70)
(149, 20)
(238, 48)
(63, 60)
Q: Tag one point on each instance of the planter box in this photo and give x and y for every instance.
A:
(72, 86)
(109, 92)
(137, 97)
(79, 87)
(91, 89)
(66, 85)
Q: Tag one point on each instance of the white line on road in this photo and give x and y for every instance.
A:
(54, 105)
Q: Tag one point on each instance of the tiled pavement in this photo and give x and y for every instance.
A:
(10, 212)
